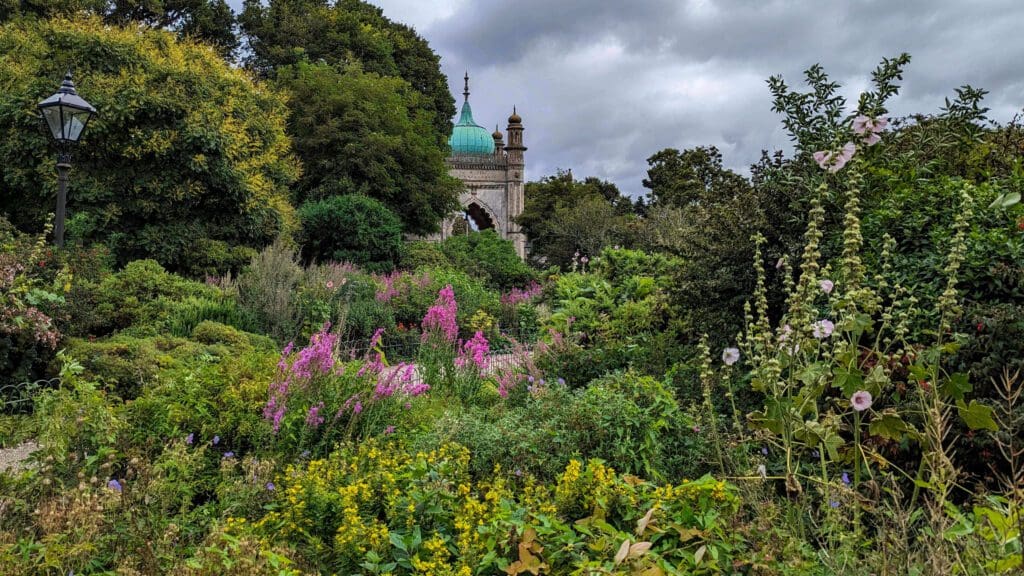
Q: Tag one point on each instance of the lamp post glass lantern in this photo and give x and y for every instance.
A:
(66, 114)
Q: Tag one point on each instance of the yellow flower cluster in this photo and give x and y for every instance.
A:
(355, 503)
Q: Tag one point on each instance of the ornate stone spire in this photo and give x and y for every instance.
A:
(465, 91)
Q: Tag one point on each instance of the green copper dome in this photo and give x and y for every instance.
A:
(468, 137)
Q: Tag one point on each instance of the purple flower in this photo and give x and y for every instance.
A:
(216, 440)
(114, 485)
(271, 487)
(845, 478)
(764, 450)
(229, 454)
(530, 379)
(313, 417)
(861, 400)
(834, 504)
(730, 356)
(561, 381)
(389, 430)
(305, 454)
(189, 438)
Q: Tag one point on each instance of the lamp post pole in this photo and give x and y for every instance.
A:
(63, 168)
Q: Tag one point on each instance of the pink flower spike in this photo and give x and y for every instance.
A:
(861, 400)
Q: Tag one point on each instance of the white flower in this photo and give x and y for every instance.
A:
(762, 471)
(823, 329)
(730, 356)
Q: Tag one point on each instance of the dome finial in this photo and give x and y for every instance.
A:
(465, 92)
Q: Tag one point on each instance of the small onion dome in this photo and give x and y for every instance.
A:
(514, 118)
(497, 134)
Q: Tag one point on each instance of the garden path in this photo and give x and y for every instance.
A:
(12, 459)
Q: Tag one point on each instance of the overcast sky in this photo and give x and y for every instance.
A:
(604, 84)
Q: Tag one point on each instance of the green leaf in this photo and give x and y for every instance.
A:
(889, 425)
(956, 386)
(1005, 200)
(977, 416)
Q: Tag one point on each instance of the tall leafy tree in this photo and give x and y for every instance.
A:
(285, 32)
(361, 133)
(188, 161)
(563, 216)
(706, 214)
(209, 21)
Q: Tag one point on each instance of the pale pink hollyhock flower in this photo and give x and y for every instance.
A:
(834, 161)
(861, 124)
(330, 285)
(785, 332)
(823, 329)
(861, 400)
(869, 128)
(730, 356)
(827, 286)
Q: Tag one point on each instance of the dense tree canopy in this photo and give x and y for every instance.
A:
(210, 21)
(187, 163)
(286, 32)
(706, 214)
(361, 133)
(563, 216)
(352, 228)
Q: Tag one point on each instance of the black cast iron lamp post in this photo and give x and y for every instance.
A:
(66, 114)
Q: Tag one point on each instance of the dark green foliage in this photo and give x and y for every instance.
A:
(361, 133)
(621, 418)
(352, 228)
(487, 256)
(286, 32)
(706, 214)
(187, 161)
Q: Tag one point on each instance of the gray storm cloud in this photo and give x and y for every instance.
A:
(602, 85)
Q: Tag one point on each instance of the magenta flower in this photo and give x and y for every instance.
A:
(861, 400)
(823, 329)
(476, 351)
(441, 316)
(834, 161)
(826, 286)
(730, 356)
(389, 430)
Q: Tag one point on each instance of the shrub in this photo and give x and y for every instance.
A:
(351, 228)
(266, 290)
(487, 256)
(184, 316)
